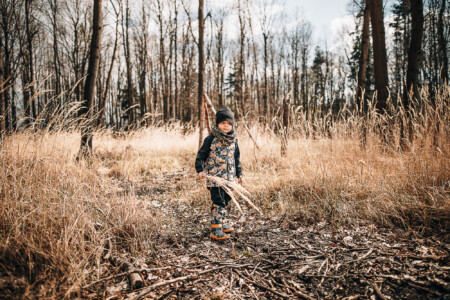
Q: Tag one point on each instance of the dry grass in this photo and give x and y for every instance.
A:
(56, 214)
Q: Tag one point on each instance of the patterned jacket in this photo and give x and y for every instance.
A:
(219, 160)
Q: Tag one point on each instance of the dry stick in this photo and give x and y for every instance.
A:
(147, 290)
(364, 256)
(108, 278)
(135, 278)
(424, 288)
(263, 287)
(269, 289)
(251, 136)
(167, 294)
(133, 274)
(377, 290)
(226, 188)
(297, 292)
(230, 187)
(125, 274)
(208, 123)
(209, 103)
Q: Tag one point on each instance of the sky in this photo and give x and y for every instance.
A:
(324, 15)
(329, 18)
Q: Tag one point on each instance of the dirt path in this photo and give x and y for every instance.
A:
(271, 258)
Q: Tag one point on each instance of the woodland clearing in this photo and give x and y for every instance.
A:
(337, 221)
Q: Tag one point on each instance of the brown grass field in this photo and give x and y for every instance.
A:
(56, 213)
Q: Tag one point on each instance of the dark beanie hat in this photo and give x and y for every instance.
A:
(224, 114)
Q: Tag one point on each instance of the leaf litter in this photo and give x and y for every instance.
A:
(276, 258)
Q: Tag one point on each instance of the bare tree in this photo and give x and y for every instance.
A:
(379, 54)
(29, 94)
(111, 65)
(91, 79)
(443, 42)
(414, 52)
(129, 101)
(8, 22)
(363, 59)
(414, 61)
(201, 70)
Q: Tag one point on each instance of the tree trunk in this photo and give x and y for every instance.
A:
(2, 94)
(442, 43)
(126, 45)
(265, 92)
(109, 76)
(200, 70)
(7, 81)
(91, 79)
(379, 54)
(412, 74)
(414, 53)
(360, 101)
(29, 108)
(284, 138)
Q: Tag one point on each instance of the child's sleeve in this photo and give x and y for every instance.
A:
(237, 161)
(203, 153)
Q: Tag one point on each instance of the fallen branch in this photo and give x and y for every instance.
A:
(147, 290)
(378, 291)
(269, 289)
(136, 281)
(296, 291)
(364, 256)
(424, 289)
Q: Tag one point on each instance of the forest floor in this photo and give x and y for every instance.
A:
(274, 257)
(132, 221)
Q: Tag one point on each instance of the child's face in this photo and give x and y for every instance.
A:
(225, 126)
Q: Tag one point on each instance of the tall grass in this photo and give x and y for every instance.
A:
(56, 213)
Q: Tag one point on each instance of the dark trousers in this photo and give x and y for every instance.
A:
(219, 197)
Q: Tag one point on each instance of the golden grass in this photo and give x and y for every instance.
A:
(56, 214)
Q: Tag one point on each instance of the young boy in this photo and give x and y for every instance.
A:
(220, 157)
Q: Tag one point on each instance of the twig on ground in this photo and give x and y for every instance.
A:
(424, 289)
(378, 291)
(148, 289)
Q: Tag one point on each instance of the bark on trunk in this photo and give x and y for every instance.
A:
(91, 79)
(200, 71)
(412, 74)
(442, 43)
(362, 106)
(379, 54)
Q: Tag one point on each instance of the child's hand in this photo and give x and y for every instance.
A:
(240, 180)
(201, 175)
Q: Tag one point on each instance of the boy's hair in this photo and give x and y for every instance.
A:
(224, 114)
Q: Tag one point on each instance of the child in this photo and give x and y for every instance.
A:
(220, 152)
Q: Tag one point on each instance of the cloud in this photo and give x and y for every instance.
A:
(340, 29)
